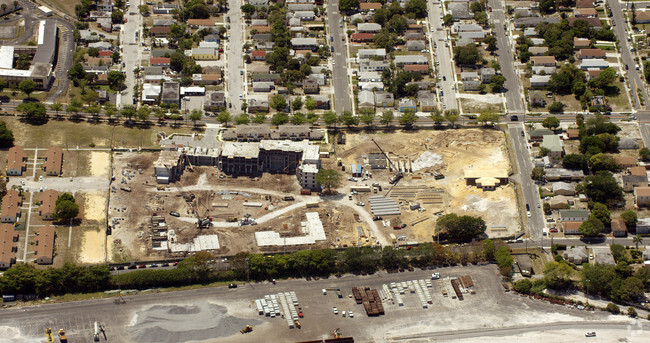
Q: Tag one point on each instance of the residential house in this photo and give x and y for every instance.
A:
(48, 203)
(401, 60)
(319, 78)
(459, 10)
(585, 4)
(366, 99)
(164, 8)
(539, 81)
(258, 3)
(322, 102)
(371, 53)
(384, 99)
(307, 15)
(8, 245)
(163, 22)
(44, 245)
(368, 28)
(538, 50)
(408, 36)
(643, 226)
(371, 76)
(558, 174)
(579, 43)
(205, 54)
(537, 135)
(16, 161)
(619, 229)
(626, 162)
(640, 170)
(371, 86)
(594, 63)
(362, 37)
(630, 182)
(576, 254)
(264, 28)
(366, 6)
(473, 35)
(105, 23)
(627, 144)
(427, 101)
(530, 32)
(150, 93)
(171, 93)
(547, 61)
(574, 215)
(102, 95)
(560, 202)
(200, 23)
(585, 13)
(553, 143)
(310, 86)
(258, 104)
(53, 161)
(591, 53)
(595, 22)
(534, 21)
(642, 196)
(206, 79)
(471, 80)
(417, 68)
(10, 209)
(523, 12)
(263, 86)
(573, 133)
(217, 99)
(563, 188)
(304, 44)
(486, 74)
(642, 17)
(212, 38)
(415, 45)
(261, 37)
(160, 31)
(366, 66)
(406, 104)
(458, 27)
(159, 61)
(258, 55)
(275, 78)
(537, 99)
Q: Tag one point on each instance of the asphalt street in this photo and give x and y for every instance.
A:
(445, 67)
(634, 79)
(530, 191)
(132, 52)
(235, 63)
(339, 58)
(506, 60)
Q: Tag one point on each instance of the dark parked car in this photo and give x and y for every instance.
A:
(232, 285)
(514, 118)
(174, 214)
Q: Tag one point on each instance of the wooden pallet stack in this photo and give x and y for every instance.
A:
(370, 299)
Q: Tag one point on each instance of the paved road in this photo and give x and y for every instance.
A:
(529, 188)
(339, 58)
(443, 56)
(132, 51)
(235, 62)
(605, 242)
(634, 79)
(65, 57)
(505, 56)
(63, 184)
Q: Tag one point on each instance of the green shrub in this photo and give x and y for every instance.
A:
(631, 312)
(613, 308)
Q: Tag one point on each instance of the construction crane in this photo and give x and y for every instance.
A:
(201, 222)
(398, 174)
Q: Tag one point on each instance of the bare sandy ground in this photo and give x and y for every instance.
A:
(99, 163)
(92, 247)
(95, 206)
(633, 334)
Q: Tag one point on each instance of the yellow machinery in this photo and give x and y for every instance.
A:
(48, 335)
(247, 329)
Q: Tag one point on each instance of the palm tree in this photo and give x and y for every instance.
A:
(637, 240)
(15, 4)
(3, 7)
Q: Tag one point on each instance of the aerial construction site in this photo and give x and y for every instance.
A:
(203, 193)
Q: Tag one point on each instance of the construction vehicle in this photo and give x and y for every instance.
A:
(125, 188)
(247, 329)
(62, 337)
(337, 333)
(297, 324)
(232, 219)
(48, 335)
(398, 174)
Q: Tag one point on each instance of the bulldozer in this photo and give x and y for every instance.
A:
(247, 329)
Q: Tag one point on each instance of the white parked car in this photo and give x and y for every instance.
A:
(336, 311)
(435, 276)
(350, 314)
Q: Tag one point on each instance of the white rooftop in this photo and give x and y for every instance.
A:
(200, 243)
(237, 149)
(312, 228)
(6, 57)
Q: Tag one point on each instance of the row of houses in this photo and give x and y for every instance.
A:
(17, 161)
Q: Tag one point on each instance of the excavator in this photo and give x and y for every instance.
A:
(337, 333)
(247, 329)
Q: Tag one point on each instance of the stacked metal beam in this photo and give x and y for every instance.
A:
(383, 206)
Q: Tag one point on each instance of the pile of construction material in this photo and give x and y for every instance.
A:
(270, 306)
(383, 206)
(398, 289)
(370, 300)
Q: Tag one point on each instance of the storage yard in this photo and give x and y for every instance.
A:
(434, 166)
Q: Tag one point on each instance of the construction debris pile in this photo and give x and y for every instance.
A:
(370, 300)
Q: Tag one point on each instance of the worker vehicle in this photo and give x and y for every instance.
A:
(232, 285)
(62, 337)
(96, 333)
(247, 329)
(48, 335)
(590, 334)
(174, 214)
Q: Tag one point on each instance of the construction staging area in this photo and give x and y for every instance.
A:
(397, 186)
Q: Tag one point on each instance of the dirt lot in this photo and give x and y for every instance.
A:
(453, 151)
(219, 198)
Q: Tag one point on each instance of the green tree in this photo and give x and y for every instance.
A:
(558, 275)
(504, 260)
(461, 227)
(77, 71)
(556, 107)
(602, 161)
(330, 118)
(603, 188)
(551, 123)
(644, 153)
(143, 113)
(604, 79)
(408, 118)
(279, 118)
(66, 208)
(496, 82)
(224, 117)
(117, 17)
(488, 249)
(367, 116)
(297, 103)
(591, 227)
(436, 117)
(576, 162)
(242, 119)
(386, 118)
(27, 86)
(56, 107)
(298, 118)
(116, 80)
(601, 212)
(538, 174)
(613, 308)
(259, 118)
(636, 240)
(6, 136)
(597, 278)
(33, 111)
(452, 116)
(523, 286)
(310, 103)
(348, 5)
(448, 19)
(348, 119)
(629, 217)
(417, 7)
(467, 55)
(195, 116)
(128, 112)
(278, 102)
(328, 179)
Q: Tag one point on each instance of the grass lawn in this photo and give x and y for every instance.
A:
(620, 102)
(68, 134)
(18, 95)
(66, 6)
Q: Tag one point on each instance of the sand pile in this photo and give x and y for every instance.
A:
(426, 160)
(183, 323)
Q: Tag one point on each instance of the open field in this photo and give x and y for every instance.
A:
(449, 152)
(70, 135)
